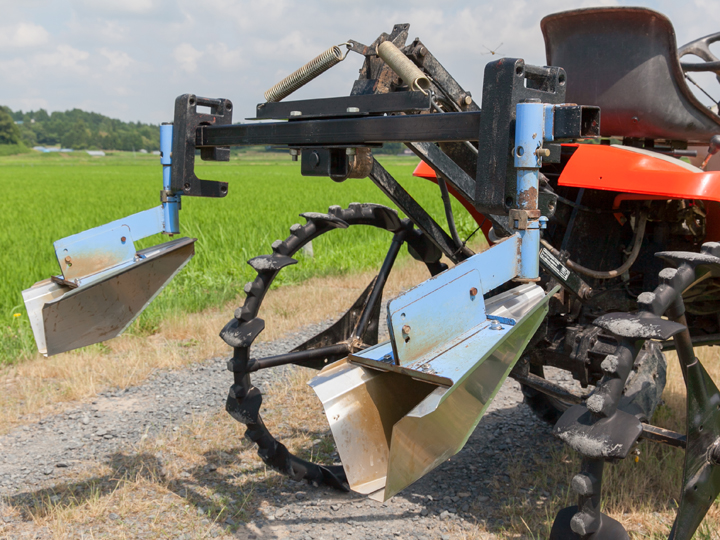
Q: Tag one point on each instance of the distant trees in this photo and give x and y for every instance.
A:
(83, 130)
(9, 132)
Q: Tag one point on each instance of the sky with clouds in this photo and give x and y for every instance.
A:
(129, 59)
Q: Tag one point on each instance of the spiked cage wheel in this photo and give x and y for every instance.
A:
(355, 330)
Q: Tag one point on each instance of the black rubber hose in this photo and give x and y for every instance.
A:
(609, 274)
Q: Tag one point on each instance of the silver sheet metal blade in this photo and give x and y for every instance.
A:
(65, 318)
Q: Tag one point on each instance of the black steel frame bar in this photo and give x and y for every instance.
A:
(447, 127)
(443, 165)
(376, 293)
(417, 214)
(362, 104)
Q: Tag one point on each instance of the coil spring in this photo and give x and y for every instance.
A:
(305, 74)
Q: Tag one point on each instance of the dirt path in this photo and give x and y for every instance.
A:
(479, 493)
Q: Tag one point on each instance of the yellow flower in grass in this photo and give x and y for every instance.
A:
(16, 314)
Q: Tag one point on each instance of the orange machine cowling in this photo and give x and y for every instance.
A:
(640, 172)
(631, 171)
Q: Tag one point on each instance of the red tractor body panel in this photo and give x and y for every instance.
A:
(629, 170)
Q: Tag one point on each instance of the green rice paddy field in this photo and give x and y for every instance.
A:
(49, 196)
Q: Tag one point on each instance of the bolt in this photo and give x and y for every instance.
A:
(123, 239)
(473, 291)
(580, 523)
(714, 453)
(582, 485)
(495, 325)
(595, 403)
(468, 99)
(351, 151)
(406, 329)
(294, 153)
(68, 259)
(295, 113)
(353, 109)
(542, 152)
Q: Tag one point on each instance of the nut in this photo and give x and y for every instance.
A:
(406, 329)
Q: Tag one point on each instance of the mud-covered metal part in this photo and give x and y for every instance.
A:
(186, 122)
(611, 414)
(356, 329)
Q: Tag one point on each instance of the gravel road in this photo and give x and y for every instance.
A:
(466, 492)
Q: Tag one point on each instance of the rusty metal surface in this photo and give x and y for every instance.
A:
(68, 319)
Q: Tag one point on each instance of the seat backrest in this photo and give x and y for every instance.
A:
(625, 61)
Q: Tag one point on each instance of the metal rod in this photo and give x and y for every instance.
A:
(663, 436)
(298, 357)
(548, 388)
(448, 211)
(376, 294)
(697, 341)
(448, 127)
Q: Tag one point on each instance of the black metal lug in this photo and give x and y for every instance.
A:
(327, 219)
(241, 334)
(605, 438)
(608, 529)
(638, 326)
(270, 263)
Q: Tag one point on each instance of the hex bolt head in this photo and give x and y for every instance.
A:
(610, 364)
(295, 113)
(595, 403)
(580, 523)
(406, 329)
(468, 99)
(353, 109)
(473, 291)
(68, 259)
(582, 485)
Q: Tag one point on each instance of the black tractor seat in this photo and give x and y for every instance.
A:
(625, 61)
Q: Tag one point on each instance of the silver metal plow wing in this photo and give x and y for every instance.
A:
(65, 315)
(401, 408)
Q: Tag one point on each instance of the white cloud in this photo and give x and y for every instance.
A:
(23, 35)
(65, 57)
(116, 60)
(187, 57)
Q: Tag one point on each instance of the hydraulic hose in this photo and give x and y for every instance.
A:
(609, 274)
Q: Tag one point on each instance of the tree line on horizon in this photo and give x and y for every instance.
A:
(76, 129)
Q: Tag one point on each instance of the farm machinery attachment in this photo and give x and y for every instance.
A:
(583, 217)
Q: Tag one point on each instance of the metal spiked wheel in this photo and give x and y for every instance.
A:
(601, 431)
(355, 330)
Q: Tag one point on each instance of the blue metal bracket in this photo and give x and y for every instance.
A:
(91, 255)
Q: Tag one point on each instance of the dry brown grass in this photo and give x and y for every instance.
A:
(30, 388)
(197, 481)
